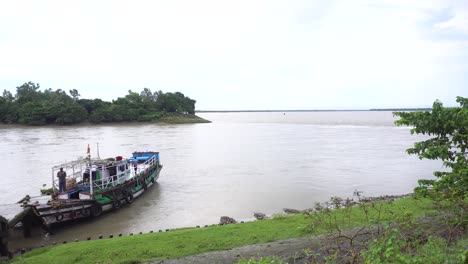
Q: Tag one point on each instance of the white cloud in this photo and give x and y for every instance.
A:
(295, 54)
(459, 21)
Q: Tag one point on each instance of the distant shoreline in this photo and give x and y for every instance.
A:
(170, 118)
(327, 110)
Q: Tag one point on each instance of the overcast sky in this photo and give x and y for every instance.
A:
(242, 54)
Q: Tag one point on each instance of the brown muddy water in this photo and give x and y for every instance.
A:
(240, 164)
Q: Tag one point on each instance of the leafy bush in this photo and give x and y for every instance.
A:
(448, 127)
(262, 260)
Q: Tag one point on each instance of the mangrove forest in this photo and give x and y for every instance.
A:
(31, 106)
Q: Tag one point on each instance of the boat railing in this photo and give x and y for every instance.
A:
(95, 175)
(106, 179)
(147, 164)
(74, 173)
(122, 176)
(112, 180)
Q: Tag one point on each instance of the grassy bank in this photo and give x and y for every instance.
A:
(190, 241)
(176, 118)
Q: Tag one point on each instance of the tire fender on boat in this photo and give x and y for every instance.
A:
(145, 186)
(116, 204)
(84, 211)
(59, 217)
(96, 210)
(129, 197)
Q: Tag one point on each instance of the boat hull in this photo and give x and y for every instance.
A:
(65, 210)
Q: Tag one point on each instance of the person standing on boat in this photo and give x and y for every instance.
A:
(135, 165)
(62, 175)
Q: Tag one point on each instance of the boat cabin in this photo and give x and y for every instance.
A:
(88, 176)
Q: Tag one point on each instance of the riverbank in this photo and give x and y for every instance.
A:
(177, 118)
(164, 118)
(179, 243)
(320, 249)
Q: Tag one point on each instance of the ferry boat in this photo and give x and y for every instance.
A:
(94, 186)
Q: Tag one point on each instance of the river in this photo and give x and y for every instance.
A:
(239, 164)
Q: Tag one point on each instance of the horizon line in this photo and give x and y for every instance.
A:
(320, 110)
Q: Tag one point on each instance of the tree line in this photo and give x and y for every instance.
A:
(31, 106)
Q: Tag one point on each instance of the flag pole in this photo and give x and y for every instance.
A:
(88, 153)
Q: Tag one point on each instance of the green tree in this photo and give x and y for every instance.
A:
(8, 109)
(447, 128)
(34, 107)
(71, 114)
(91, 105)
(28, 92)
(103, 114)
(168, 102)
(59, 108)
(146, 94)
(75, 94)
(32, 113)
(8, 96)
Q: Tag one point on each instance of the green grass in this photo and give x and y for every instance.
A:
(184, 242)
(176, 118)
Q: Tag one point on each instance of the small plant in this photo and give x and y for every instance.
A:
(48, 191)
(375, 216)
(394, 248)
(279, 216)
(262, 260)
(386, 249)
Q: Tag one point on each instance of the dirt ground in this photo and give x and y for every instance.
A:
(313, 249)
(297, 250)
(286, 248)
